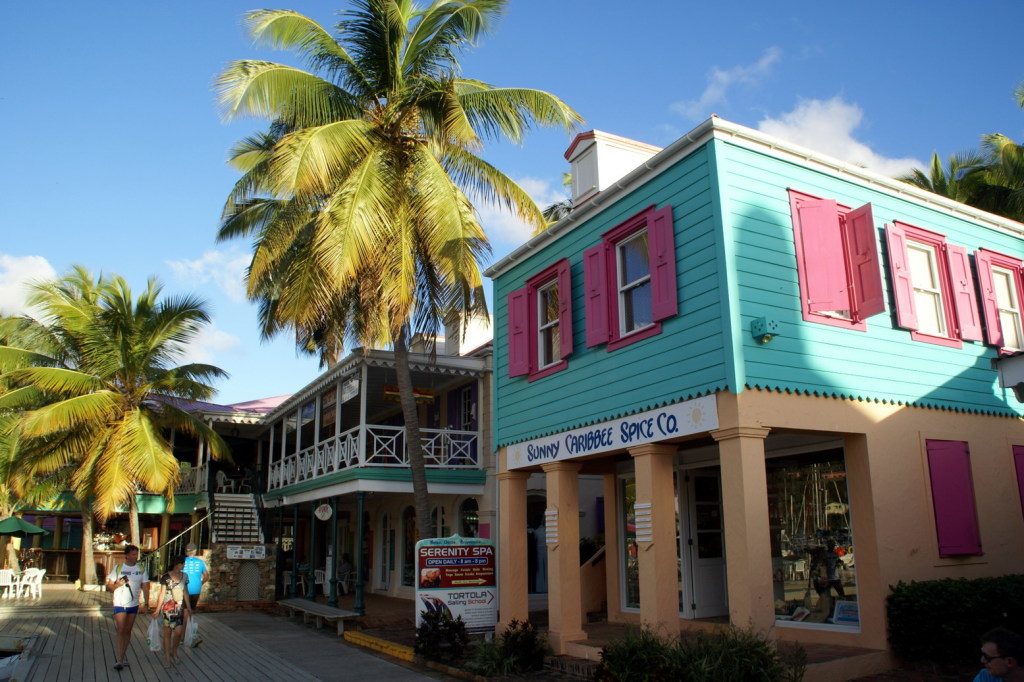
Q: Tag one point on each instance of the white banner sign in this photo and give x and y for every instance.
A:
(671, 421)
(247, 552)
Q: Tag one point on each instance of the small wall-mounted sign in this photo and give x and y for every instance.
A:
(323, 512)
(247, 552)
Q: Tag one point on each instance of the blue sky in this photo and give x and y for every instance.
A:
(114, 152)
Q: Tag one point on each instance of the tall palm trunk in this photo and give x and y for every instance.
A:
(133, 521)
(413, 444)
(87, 572)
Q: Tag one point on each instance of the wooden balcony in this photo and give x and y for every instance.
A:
(375, 446)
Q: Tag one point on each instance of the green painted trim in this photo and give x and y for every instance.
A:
(923, 404)
(148, 504)
(400, 474)
(728, 286)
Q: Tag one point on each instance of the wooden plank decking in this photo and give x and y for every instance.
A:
(79, 646)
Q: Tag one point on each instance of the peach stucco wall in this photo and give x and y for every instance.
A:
(890, 501)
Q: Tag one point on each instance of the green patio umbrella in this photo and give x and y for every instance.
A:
(20, 528)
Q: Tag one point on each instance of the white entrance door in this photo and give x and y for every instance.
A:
(703, 553)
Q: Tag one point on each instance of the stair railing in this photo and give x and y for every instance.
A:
(174, 546)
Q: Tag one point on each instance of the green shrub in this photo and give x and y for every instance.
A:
(941, 620)
(520, 649)
(641, 656)
(442, 638)
(702, 657)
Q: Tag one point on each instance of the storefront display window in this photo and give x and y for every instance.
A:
(631, 567)
(813, 566)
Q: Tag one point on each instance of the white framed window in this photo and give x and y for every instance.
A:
(1008, 305)
(548, 325)
(633, 266)
(932, 286)
(928, 299)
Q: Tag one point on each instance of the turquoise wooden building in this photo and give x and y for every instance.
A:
(780, 367)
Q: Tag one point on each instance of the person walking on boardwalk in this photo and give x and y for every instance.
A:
(128, 582)
(173, 605)
(195, 569)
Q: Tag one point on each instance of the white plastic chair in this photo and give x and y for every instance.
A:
(318, 578)
(32, 583)
(224, 484)
(7, 581)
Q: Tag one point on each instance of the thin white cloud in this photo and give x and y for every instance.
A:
(208, 344)
(720, 81)
(828, 126)
(505, 229)
(16, 272)
(223, 269)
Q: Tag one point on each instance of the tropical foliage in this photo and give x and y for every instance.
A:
(991, 179)
(358, 196)
(93, 382)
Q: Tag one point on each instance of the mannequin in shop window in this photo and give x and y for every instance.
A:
(540, 539)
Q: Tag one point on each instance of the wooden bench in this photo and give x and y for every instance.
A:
(320, 612)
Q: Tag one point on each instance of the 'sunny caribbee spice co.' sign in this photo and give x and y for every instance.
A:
(671, 421)
(455, 575)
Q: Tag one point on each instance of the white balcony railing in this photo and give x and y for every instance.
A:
(192, 481)
(385, 447)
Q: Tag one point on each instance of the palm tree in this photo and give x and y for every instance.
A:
(958, 181)
(1002, 191)
(102, 367)
(355, 197)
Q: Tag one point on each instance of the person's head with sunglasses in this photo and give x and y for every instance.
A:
(1002, 653)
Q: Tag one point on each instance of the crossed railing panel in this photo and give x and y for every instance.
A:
(385, 447)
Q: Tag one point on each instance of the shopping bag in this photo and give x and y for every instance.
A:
(154, 634)
(192, 637)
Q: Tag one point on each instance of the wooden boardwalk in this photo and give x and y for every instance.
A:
(75, 634)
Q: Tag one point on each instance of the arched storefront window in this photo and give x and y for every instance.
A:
(408, 546)
(469, 518)
(439, 521)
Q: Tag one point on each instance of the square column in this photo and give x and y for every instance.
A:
(562, 526)
(513, 597)
(748, 555)
(657, 553)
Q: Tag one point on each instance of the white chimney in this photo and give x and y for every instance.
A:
(477, 333)
(599, 159)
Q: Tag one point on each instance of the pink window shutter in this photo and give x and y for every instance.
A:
(564, 309)
(664, 284)
(823, 269)
(1018, 462)
(964, 296)
(956, 518)
(865, 268)
(518, 333)
(989, 305)
(903, 286)
(595, 291)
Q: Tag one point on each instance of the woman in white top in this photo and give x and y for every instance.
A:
(128, 581)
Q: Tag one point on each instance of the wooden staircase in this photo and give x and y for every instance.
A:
(235, 519)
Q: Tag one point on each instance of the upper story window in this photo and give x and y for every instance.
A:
(548, 325)
(328, 410)
(1002, 290)
(540, 323)
(932, 286)
(630, 280)
(633, 263)
(837, 262)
